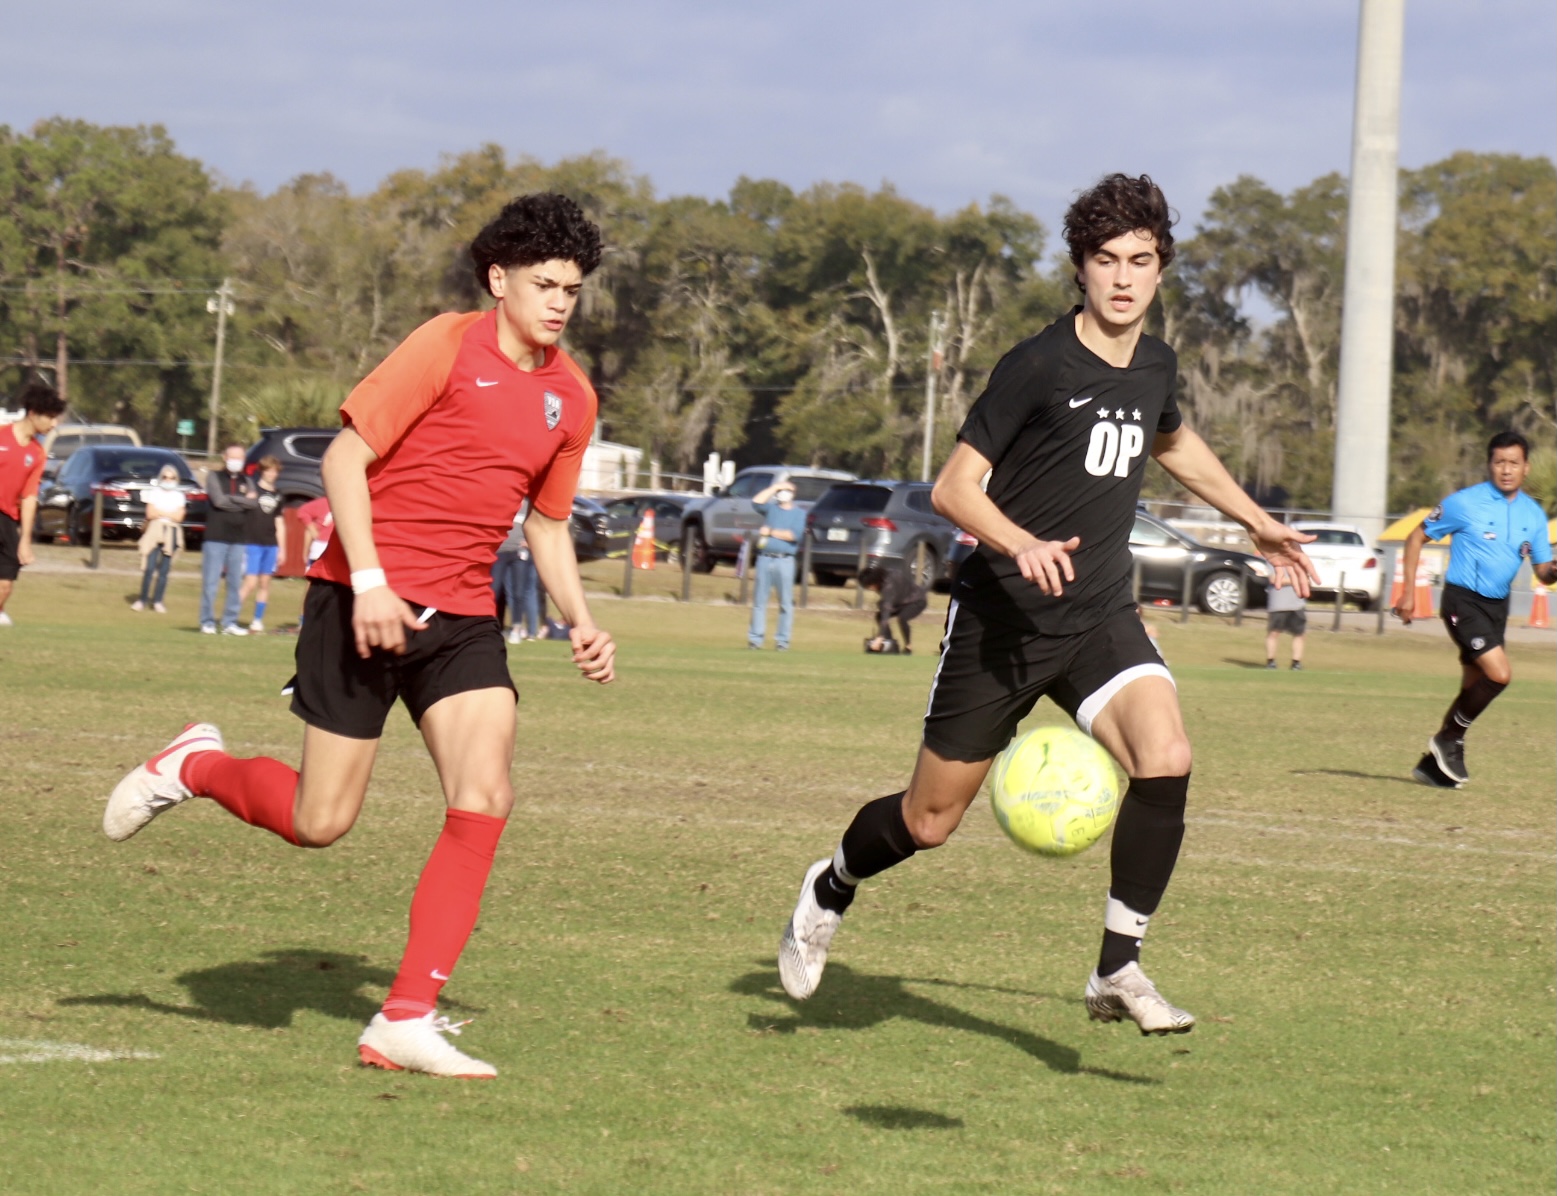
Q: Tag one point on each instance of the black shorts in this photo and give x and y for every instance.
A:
(1293, 622)
(10, 547)
(1476, 624)
(991, 675)
(337, 691)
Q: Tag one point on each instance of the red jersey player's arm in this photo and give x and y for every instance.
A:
(379, 617)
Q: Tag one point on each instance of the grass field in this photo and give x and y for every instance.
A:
(1371, 961)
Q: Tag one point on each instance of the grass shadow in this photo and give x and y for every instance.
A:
(1352, 774)
(859, 1001)
(1243, 664)
(268, 992)
(901, 1117)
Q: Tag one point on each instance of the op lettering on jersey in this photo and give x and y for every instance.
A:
(1068, 436)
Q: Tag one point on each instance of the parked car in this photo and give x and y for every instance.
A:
(591, 528)
(715, 526)
(892, 521)
(65, 439)
(1342, 548)
(626, 513)
(301, 453)
(122, 475)
(1162, 553)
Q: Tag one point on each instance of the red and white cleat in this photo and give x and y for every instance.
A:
(150, 788)
(417, 1044)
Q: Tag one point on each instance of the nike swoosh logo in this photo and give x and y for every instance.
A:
(437, 975)
(484, 382)
(151, 765)
(1082, 402)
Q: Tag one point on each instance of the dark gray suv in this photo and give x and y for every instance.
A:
(893, 521)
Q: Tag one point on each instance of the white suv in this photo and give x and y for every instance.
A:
(1341, 549)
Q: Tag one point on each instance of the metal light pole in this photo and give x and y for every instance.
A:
(937, 327)
(221, 305)
(1361, 487)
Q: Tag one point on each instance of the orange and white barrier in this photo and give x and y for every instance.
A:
(1424, 594)
(1539, 615)
(643, 541)
(1398, 589)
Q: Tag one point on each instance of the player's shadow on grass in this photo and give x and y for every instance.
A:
(858, 1001)
(1352, 774)
(902, 1117)
(269, 991)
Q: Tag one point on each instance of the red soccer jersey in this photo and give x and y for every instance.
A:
(21, 465)
(463, 436)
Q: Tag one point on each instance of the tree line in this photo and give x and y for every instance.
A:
(773, 323)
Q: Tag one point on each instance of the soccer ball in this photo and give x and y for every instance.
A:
(1054, 791)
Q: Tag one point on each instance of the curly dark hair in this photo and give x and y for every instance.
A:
(1117, 204)
(536, 228)
(1508, 439)
(37, 397)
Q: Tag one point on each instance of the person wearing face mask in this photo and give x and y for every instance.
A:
(163, 539)
(232, 497)
(778, 540)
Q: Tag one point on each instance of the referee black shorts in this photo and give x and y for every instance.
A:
(991, 676)
(1476, 623)
(338, 691)
(10, 547)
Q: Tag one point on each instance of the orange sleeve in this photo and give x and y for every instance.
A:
(553, 498)
(384, 405)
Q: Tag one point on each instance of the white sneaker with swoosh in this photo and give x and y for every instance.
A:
(417, 1044)
(150, 788)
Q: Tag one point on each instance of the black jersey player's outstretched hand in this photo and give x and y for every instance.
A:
(1282, 546)
(1045, 562)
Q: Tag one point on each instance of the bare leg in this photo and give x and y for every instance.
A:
(331, 784)
(938, 795)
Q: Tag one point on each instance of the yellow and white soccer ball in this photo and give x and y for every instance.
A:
(1054, 791)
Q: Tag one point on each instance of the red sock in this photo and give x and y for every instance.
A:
(259, 790)
(444, 911)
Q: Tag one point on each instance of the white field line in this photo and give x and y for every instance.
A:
(41, 1050)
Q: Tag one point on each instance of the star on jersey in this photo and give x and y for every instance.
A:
(1102, 413)
(1119, 414)
(1136, 415)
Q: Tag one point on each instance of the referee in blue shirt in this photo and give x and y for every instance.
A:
(1496, 529)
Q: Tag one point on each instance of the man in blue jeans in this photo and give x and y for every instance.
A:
(224, 549)
(778, 540)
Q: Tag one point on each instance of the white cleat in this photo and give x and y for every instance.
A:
(257, 627)
(803, 950)
(417, 1044)
(155, 786)
(1128, 993)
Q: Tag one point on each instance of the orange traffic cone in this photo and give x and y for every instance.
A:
(1538, 613)
(643, 541)
(1398, 590)
(1424, 595)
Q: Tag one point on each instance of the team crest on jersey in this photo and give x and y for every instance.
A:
(1478, 644)
(1435, 514)
(553, 410)
(1524, 549)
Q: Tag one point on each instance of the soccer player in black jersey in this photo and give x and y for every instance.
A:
(1044, 605)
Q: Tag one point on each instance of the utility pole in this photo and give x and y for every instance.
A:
(220, 305)
(1361, 486)
(937, 327)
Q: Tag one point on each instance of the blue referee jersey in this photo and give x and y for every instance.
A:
(1493, 537)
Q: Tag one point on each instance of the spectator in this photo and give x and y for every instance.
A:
(514, 582)
(21, 465)
(265, 541)
(900, 599)
(1285, 610)
(778, 540)
(318, 524)
(163, 539)
(232, 497)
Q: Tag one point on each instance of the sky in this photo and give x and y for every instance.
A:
(951, 103)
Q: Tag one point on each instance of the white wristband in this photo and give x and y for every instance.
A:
(363, 580)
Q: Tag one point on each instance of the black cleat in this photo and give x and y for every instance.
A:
(1429, 774)
(1297, 666)
(1450, 755)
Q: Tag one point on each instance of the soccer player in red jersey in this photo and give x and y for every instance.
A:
(473, 413)
(21, 465)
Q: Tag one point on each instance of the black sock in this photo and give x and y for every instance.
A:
(1472, 700)
(877, 839)
(1147, 837)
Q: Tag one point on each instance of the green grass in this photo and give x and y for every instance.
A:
(1372, 962)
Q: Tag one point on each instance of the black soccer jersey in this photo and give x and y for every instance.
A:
(1068, 435)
